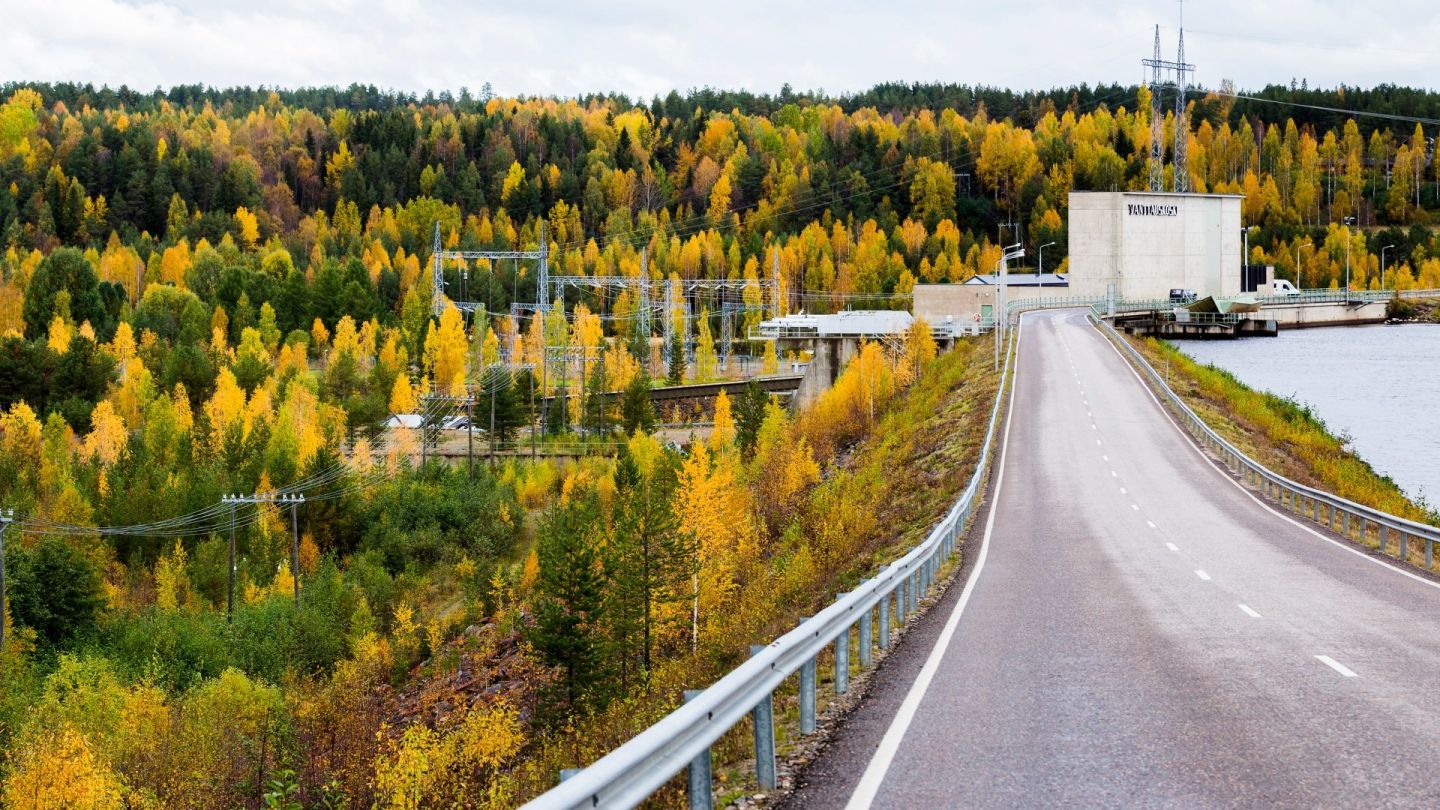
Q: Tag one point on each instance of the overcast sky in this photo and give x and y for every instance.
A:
(644, 48)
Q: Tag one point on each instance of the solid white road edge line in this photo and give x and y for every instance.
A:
(1215, 465)
(874, 775)
(1336, 665)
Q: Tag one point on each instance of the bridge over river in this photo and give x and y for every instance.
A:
(1143, 620)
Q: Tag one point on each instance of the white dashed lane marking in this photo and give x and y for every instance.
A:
(1336, 665)
(1249, 611)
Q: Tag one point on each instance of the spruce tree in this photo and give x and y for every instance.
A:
(677, 358)
(570, 604)
(637, 412)
(750, 414)
(649, 561)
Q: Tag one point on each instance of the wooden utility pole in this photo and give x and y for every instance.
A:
(293, 501)
(7, 517)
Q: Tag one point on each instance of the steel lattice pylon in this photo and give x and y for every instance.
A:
(1181, 70)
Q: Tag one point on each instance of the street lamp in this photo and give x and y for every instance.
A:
(1382, 264)
(1042, 262)
(1348, 222)
(1014, 251)
(1297, 262)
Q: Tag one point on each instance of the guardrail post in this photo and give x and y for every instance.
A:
(885, 621)
(807, 697)
(1316, 502)
(842, 661)
(764, 716)
(864, 640)
(701, 790)
(1429, 554)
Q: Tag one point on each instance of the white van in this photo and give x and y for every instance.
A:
(1282, 287)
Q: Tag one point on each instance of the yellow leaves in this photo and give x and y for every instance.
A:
(341, 160)
(174, 263)
(722, 435)
(402, 396)
(769, 360)
(720, 201)
(225, 408)
(445, 353)
(424, 768)
(171, 581)
(529, 573)
(319, 335)
(61, 771)
(513, 178)
(490, 349)
(784, 467)
(346, 338)
(249, 227)
(122, 346)
(920, 347)
(59, 335)
(705, 359)
(107, 436)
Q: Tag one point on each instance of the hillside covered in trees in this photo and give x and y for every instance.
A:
(209, 292)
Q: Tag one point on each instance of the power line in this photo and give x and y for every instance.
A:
(1356, 113)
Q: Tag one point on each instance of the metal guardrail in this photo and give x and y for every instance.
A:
(1350, 519)
(682, 739)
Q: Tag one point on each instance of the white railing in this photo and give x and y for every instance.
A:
(682, 739)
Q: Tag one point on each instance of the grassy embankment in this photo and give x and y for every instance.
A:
(1280, 433)
(881, 492)
(1414, 310)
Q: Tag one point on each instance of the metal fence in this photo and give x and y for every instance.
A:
(682, 739)
(1412, 542)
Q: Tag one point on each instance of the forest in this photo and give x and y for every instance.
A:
(209, 293)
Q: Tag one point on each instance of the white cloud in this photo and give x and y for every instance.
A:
(644, 48)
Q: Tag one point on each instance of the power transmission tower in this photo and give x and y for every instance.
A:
(1157, 130)
(540, 254)
(1182, 127)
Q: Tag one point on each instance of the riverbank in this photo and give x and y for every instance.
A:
(1285, 436)
(1418, 310)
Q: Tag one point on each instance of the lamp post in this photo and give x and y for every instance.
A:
(1297, 262)
(1042, 262)
(1382, 264)
(1014, 251)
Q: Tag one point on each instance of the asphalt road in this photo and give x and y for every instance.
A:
(1137, 630)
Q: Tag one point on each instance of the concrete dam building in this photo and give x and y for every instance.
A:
(1144, 244)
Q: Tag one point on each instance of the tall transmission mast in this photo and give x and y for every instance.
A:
(1157, 126)
(1182, 126)
(1181, 69)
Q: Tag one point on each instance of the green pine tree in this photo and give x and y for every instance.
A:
(749, 415)
(570, 604)
(637, 411)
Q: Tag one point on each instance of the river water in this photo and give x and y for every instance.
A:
(1379, 385)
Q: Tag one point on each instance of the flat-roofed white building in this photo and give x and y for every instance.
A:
(1145, 244)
